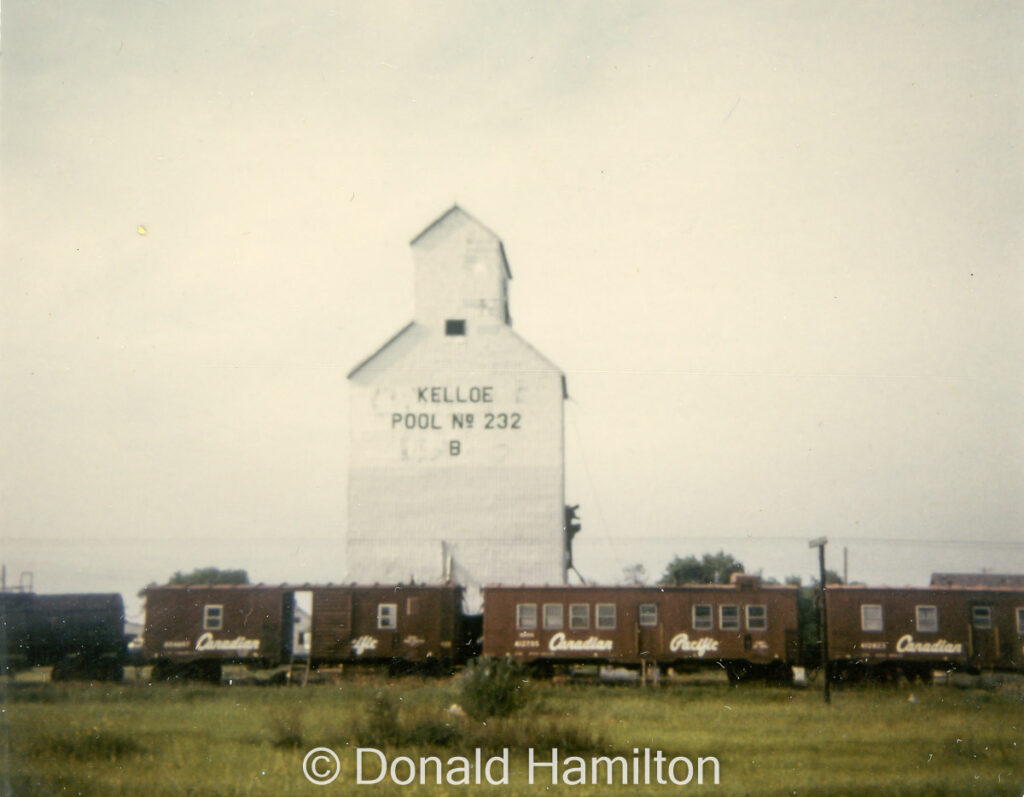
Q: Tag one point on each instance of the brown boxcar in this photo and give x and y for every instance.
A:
(912, 631)
(744, 627)
(405, 623)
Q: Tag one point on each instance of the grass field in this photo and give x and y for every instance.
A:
(137, 739)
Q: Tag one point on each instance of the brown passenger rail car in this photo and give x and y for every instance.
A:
(745, 627)
(886, 632)
(191, 631)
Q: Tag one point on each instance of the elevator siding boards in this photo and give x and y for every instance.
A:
(457, 456)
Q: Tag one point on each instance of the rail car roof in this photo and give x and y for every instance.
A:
(303, 587)
(647, 587)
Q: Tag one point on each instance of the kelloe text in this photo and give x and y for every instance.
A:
(455, 395)
(413, 419)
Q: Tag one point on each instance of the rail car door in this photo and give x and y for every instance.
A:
(1015, 638)
(331, 625)
(984, 648)
(287, 625)
(649, 631)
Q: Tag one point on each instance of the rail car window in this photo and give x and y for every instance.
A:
(213, 617)
(703, 617)
(554, 616)
(526, 616)
(648, 615)
(606, 615)
(870, 617)
(412, 606)
(927, 619)
(387, 615)
(757, 618)
(1020, 619)
(982, 617)
(579, 616)
(729, 617)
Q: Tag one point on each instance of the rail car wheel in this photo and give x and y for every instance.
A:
(206, 671)
(67, 669)
(921, 672)
(163, 670)
(109, 670)
(779, 673)
(400, 667)
(885, 673)
(738, 671)
(846, 672)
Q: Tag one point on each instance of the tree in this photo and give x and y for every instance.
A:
(832, 577)
(809, 614)
(714, 568)
(204, 575)
(634, 574)
(210, 575)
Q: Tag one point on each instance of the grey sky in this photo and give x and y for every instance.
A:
(776, 248)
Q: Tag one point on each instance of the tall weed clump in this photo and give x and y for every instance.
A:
(383, 725)
(494, 688)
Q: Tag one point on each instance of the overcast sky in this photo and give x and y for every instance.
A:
(776, 248)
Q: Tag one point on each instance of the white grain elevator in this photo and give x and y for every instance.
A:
(457, 467)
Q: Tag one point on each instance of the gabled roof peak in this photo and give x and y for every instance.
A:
(453, 214)
(454, 209)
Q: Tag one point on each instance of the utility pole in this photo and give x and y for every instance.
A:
(820, 544)
(5, 730)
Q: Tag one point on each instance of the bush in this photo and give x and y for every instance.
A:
(494, 688)
(381, 726)
(522, 733)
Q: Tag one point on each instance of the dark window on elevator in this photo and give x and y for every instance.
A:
(455, 326)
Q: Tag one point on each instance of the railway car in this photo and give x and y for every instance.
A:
(81, 637)
(14, 612)
(883, 632)
(192, 631)
(414, 626)
(749, 629)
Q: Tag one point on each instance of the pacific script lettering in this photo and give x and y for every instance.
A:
(681, 643)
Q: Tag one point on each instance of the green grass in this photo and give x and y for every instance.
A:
(167, 739)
